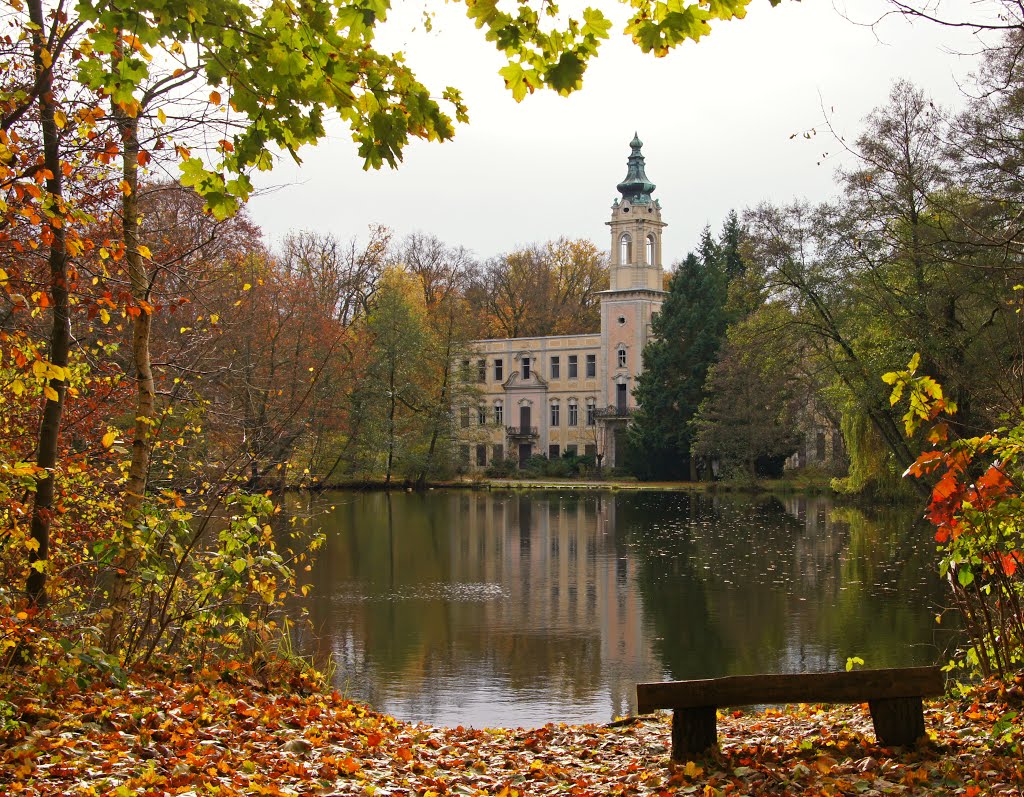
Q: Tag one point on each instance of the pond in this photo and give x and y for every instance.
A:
(494, 608)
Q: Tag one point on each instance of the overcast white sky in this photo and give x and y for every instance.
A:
(716, 119)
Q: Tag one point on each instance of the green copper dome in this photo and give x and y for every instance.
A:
(636, 187)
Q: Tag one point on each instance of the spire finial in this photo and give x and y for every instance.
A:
(636, 187)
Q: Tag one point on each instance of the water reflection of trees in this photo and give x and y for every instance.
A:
(582, 595)
(734, 586)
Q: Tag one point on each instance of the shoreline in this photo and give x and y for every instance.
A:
(779, 486)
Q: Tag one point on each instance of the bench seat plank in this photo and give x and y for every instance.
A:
(856, 686)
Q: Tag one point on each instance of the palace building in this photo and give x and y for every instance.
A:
(574, 393)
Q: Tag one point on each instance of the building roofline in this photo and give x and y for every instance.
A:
(540, 337)
(614, 291)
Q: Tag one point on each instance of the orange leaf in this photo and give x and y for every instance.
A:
(351, 766)
(945, 488)
(925, 463)
(404, 753)
(215, 97)
(993, 482)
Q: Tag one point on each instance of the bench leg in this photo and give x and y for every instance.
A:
(898, 721)
(694, 731)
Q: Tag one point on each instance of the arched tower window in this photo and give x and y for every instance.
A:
(626, 248)
(651, 250)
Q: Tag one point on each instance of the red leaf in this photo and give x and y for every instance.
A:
(993, 483)
(925, 463)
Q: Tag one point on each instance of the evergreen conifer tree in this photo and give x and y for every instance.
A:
(731, 260)
(688, 332)
(709, 252)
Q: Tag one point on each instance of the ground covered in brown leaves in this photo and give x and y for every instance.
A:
(221, 733)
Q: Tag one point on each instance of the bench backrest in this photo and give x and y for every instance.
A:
(857, 686)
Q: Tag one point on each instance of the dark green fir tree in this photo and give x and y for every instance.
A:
(688, 332)
(729, 251)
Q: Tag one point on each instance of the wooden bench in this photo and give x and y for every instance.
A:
(893, 695)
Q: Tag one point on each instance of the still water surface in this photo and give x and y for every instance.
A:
(508, 609)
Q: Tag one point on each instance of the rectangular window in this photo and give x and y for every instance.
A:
(497, 452)
(464, 369)
(464, 455)
(555, 365)
(570, 450)
(573, 366)
(481, 370)
(591, 366)
(622, 358)
(574, 414)
(499, 414)
(481, 455)
(526, 367)
(499, 370)
(464, 419)
(591, 413)
(590, 450)
(553, 451)
(555, 409)
(481, 415)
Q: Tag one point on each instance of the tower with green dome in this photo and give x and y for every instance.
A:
(635, 292)
(636, 228)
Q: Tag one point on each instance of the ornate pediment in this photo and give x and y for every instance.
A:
(515, 382)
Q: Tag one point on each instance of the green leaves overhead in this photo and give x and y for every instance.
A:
(286, 67)
(657, 27)
(539, 58)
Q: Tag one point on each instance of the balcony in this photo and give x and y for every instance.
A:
(522, 432)
(612, 412)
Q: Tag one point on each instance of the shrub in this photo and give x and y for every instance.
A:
(977, 509)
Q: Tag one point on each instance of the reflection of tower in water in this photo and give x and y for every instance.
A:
(572, 614)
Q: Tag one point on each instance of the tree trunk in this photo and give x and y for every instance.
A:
(442, 408)
(145, 401)
(392, 407)
(60, 330)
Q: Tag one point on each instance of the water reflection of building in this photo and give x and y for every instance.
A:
(571, 603)
(522, 608)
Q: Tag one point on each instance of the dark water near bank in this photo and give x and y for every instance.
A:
(506, 609)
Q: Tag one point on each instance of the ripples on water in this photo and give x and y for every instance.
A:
(500, 608)
(430, 592)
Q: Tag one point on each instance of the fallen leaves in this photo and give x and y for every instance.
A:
(222, 736)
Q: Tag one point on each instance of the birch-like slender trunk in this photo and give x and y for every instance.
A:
(60, 329)
(145, 397)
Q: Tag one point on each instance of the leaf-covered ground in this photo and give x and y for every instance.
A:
(221, 734)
